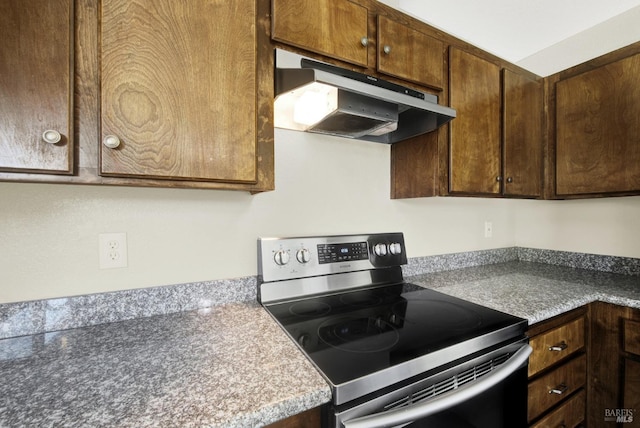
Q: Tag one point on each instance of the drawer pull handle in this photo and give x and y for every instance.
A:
(559, 347)
(560, 389)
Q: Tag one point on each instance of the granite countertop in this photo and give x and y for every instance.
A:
(231, 365)
(534, 291)
(228, 366)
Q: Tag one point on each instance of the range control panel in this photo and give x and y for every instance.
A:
(301, 257)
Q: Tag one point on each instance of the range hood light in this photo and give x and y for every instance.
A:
(314, 102)
(305, 106)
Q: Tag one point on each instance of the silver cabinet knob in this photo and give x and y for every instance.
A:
(51, 136)
(559, 347)
(386, 49)
(498, 178)
(364, 41)
(111, 141)
(509, 179)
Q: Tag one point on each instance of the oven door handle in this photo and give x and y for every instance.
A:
(442, 402)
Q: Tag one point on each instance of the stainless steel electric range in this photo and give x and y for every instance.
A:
(394, 353)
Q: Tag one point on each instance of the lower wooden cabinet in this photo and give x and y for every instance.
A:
(614, 367)
(568, 414)
(558, 371)
(311, 419)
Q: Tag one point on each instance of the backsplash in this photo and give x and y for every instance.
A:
(40, 316)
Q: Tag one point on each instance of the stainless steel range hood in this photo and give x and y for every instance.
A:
(316, 97)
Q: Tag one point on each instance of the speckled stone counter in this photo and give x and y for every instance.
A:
(227, 366)
(535, 291)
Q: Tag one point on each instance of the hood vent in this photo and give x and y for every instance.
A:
(316, 97)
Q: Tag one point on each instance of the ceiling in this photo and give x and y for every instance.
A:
(543, 36)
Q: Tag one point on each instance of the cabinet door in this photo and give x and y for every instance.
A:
(334, 28)
(179, 89)
(598, 130)
(522, 150)
(36, 70)
(475, 133)
(409, 54)
(632, 385)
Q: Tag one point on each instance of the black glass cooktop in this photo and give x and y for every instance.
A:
(351, 335)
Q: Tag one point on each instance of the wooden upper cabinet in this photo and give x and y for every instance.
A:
(178, 89)
(36, 86)
(475, 150)
(522, 120)
(598, 130)
(409, 54)
(335, 28)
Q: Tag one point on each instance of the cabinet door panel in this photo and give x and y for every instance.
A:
(36, 70)
(475, 132)
(411, 54)
(632, 385)
(522, 119)
(330, 27)
(598, 130)
(179, 89)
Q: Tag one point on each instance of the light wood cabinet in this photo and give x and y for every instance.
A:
(36, 86)
(335, 28)
(558, 371)
(522, 116)
(409, 54)
(474, 149)
(597, 119)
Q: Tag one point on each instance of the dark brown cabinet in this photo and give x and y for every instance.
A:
(522, 110)
(474, 149)
(496, 139)
(36, 86)
(614, 367)
(335, 28)
(597, 117)
(166, 66)
(409, 54)
(143, 93)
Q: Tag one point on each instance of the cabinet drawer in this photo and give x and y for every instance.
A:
(567, 415)
(553, 387)
(632, 336)
(555, 345)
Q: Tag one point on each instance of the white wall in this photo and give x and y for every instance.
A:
(49, 233)
(600, 226)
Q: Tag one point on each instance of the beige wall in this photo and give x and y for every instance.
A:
(49, 233)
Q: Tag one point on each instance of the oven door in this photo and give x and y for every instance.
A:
(489, 391)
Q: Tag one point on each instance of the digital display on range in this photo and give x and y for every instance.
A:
(334, 253)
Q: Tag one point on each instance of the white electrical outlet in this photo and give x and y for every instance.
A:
(488, 229)
(113, 250)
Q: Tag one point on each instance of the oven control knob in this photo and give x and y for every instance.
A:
(395, 248)
(281, 257)
(303, 340)
(380, 250)
(303, 255)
